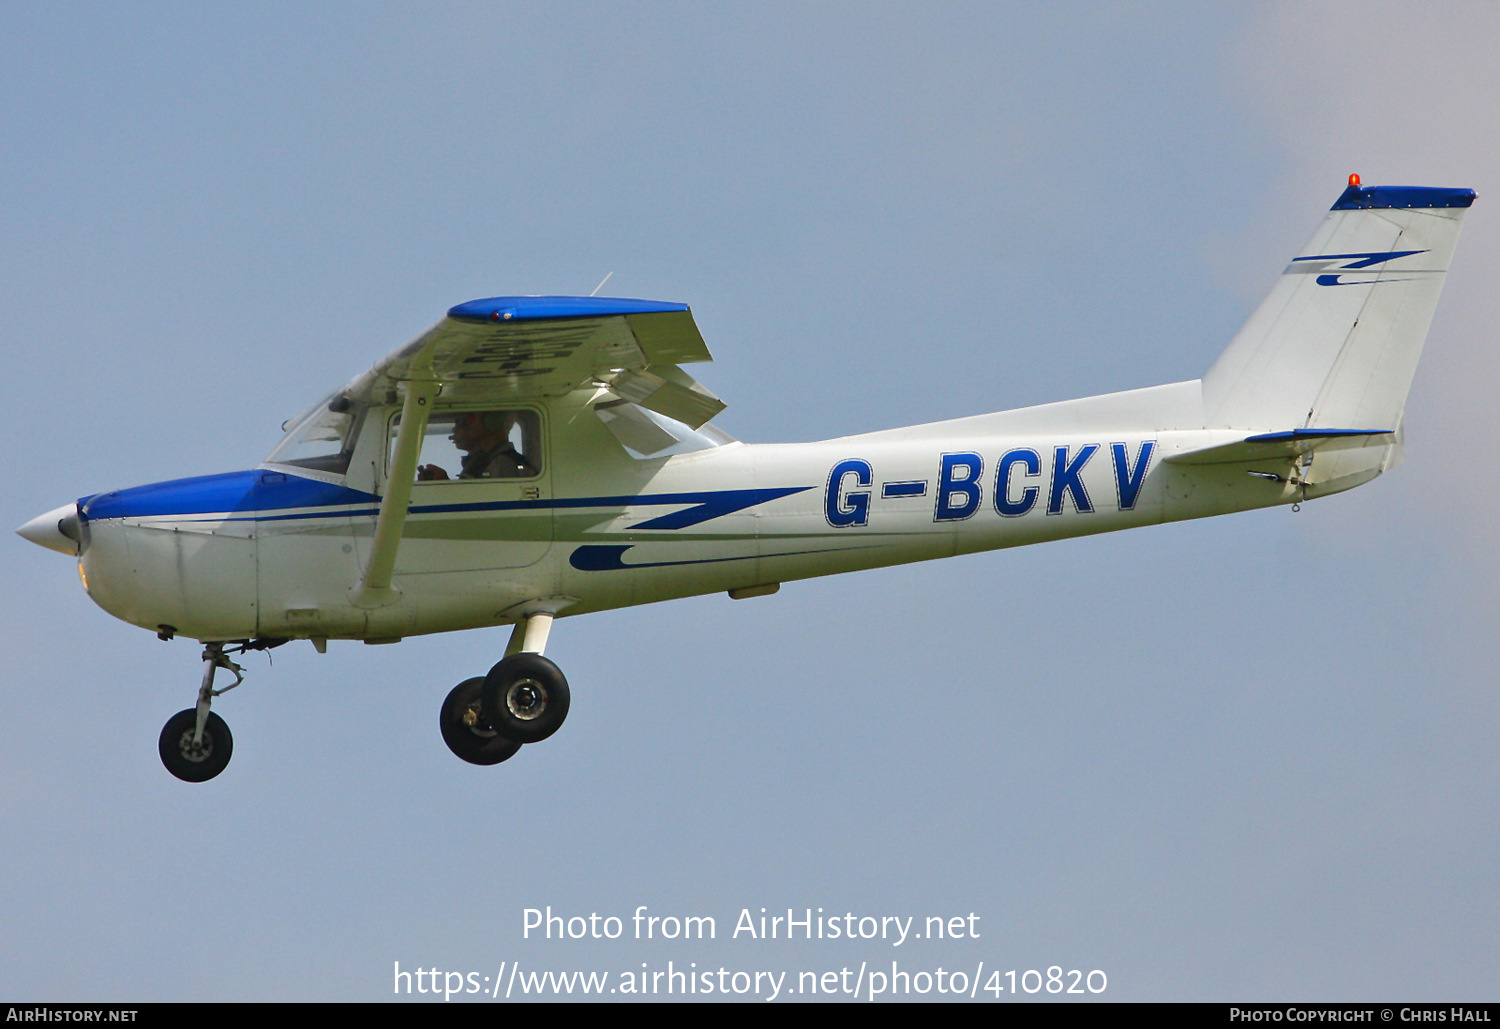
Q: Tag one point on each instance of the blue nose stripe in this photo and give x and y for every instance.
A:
(256, 490)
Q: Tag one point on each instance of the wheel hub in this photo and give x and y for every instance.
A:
(196, 752)
(527, 699)
(473, 719)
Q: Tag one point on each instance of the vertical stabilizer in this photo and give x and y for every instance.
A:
(1336, 342)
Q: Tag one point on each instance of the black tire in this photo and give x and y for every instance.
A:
(190, 763)
(467, 732)
(526, 697)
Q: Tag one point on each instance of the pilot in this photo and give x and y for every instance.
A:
(484, 437)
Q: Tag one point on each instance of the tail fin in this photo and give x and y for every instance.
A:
(1335, 344)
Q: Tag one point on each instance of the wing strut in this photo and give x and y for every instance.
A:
(375, 589)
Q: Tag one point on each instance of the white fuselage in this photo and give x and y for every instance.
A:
(277, 556)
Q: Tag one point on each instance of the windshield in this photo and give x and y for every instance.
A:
(322, 437)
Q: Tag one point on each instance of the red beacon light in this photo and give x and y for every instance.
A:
(1354, 179)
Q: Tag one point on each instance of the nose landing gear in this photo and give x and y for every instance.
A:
(195, 744)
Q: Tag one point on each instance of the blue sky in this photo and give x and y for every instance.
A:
(1253, 757)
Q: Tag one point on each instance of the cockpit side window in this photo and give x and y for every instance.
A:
(470, 445)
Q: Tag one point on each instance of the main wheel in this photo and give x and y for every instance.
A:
(195, 762)
(467, 732)
(526, 697)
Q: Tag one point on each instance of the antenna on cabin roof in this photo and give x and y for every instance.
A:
(601, 285)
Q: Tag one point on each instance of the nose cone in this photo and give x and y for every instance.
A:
(58, 530)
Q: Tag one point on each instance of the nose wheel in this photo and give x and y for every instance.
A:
(195, 756)
(195, 744)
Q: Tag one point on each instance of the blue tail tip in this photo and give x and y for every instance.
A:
(1374, 198)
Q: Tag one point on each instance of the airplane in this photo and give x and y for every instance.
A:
(531, 458)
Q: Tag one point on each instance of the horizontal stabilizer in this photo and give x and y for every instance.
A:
(1286, 446)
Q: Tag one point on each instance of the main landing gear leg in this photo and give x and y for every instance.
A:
(530, 634)
(195, 744)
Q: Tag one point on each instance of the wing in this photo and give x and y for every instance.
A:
(506, 349)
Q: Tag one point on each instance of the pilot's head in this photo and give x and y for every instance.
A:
(480, 430)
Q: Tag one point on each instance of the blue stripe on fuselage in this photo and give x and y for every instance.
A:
(609, 557)
(246, 496)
